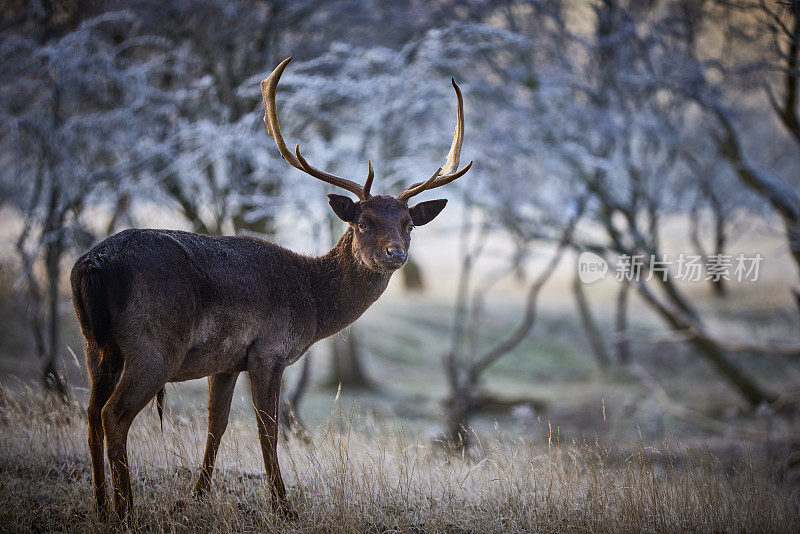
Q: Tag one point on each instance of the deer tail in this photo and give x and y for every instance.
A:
(91, 302)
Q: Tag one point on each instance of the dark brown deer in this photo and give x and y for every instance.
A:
(158, 306)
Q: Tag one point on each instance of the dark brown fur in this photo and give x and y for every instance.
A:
(158, 306)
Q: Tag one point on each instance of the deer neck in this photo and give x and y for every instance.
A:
(345, 287)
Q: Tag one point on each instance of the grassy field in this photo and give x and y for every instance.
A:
(354, 475)
(599, 452)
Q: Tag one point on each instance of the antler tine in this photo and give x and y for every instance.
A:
(268, 89)
(432, 183)
(344, 183)
(447, 173)
(418, 187)
(368, 183)
(453, 156)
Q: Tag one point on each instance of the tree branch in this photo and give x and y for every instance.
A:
(529, 317)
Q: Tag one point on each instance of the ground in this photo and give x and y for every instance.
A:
(592, 452)
(355, 475)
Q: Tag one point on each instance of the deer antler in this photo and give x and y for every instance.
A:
(268, 89)
(447, 173)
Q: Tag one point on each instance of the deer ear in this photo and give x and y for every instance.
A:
(343, 207)
(424, 212)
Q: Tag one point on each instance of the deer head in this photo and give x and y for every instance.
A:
(381, 224)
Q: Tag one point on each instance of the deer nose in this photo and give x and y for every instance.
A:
(395, 253)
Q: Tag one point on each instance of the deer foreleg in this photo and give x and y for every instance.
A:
(265, 382)
(220, 393)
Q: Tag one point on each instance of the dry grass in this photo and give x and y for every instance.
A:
(355, 477)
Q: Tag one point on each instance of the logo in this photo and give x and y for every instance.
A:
(591, 267)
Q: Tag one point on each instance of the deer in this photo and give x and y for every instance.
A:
(160, 306)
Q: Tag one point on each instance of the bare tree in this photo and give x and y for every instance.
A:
(593, 332)
(772, 29)
(464, 363)
(61, 142)
(628, 168)
(618, 127)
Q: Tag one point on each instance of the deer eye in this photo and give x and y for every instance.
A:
(409, 227)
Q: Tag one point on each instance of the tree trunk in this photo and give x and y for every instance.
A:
(718, 285)
(457, 423)
(346, 368)
(52, 381)
(621, 327)
(783, 198)
(412, 276)
(710, 350)
(590, 328)
(793, 235)
(289, 413)
(718, 248)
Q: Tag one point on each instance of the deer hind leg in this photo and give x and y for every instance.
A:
(135, 389)
(220, 393)
(102, 380)
(265, 383)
